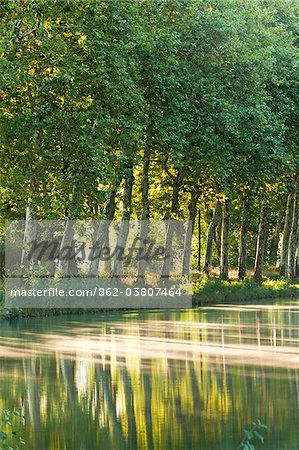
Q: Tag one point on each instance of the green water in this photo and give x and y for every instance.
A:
(163, 380)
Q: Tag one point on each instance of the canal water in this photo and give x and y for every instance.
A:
(162, 380)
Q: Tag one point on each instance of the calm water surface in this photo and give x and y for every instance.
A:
(163, 380)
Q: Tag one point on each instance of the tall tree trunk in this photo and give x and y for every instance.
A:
(261, 243)
(67, 240)
(175, 206)
(103, 229)
(225, 240)
(124, 225)
(286, 235)
(210, 237)
(296, 263)
(242, 260)
(217, 238)
(108, 265)
(29, 233)
(293, 239)
(275, 241)
(177, 184)
(189, 234)
(144, 227)
(199, 241)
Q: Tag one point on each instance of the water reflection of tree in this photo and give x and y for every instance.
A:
(112, 394)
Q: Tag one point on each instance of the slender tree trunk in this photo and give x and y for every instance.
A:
(261, 243)
(199, 241)
(108, 265)
(124, 225)
(67, 240)
(29, 233)
(286, 235)
(293, 239)
(275, 241)
(217, 238)
(210, 236)
(189, 234)
(103, 229)
(242, 260)
(144, 227)
(224, 263)
(297, 258)
(175, 206)
(177, 184)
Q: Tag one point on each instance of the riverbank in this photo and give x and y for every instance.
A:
(205, 291)
(213, 290)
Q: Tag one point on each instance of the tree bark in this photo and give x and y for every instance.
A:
(124, 225)
(242, 260)
(275, 241)
(66, 242)
(177, 184)
(189, 234)
(293, 238)
(103, 229)
(296, 263)
(199, 241)
(175, 206)
(29, 234)
(224, 261)
(210, 237)
(144, 226)
(217, 238)
(286, 235)
(261, 243)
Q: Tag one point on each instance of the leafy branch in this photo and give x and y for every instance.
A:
(9, 437)
(254, 434)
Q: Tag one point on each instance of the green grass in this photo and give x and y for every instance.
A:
(212, 290)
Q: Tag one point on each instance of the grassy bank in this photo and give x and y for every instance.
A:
(212, 290)
(205, 291)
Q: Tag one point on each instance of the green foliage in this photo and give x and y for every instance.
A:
(253, 435)
(206, 290)
(210, 89)
(9, 430)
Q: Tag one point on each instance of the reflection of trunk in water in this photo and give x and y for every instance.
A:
(147, 386)
(33, 397)
(195, 387)
(104, 375)
(67, 369)
(130, 409)
(159, 403)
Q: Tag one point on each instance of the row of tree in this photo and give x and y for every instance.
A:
(155, 110)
